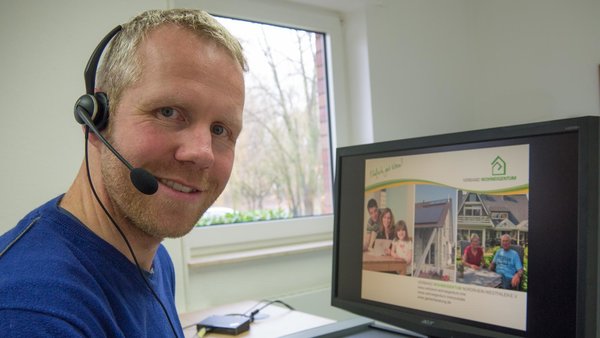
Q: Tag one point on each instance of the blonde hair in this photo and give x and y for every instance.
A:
(122, 66)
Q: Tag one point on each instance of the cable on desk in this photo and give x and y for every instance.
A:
(254, 310)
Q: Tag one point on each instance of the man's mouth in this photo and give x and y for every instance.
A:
(177, 186)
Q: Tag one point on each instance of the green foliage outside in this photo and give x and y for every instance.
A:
(244, 216)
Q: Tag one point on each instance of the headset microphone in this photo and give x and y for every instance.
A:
(143, 181)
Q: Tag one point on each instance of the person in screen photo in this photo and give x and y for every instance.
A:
(507, 263)
(374, 213)
(90, 262)
(373, 224)
(402, 247)
(473, 254)
(386, 221)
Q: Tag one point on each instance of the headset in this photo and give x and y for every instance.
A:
(95, 104)
(92, 111)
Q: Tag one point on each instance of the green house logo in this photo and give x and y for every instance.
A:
(498, 166)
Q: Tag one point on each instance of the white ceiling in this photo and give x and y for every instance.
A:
(336, 5)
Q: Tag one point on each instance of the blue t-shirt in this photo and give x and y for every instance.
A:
(507, 262)
(62, 280)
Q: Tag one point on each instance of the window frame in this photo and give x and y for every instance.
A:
(246, 236)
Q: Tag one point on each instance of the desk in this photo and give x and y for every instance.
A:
(383, 264)
(280, 321)
(482, 277)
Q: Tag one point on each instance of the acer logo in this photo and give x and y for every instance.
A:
(427, 322)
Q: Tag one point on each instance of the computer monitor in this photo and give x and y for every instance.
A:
(533, 185)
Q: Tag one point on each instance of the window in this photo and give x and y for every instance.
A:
(472, 210)
(431, 255)
(463, 235)
(283, 156)
(213, 240)
(499, 215)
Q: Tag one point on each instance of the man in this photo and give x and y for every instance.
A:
(508, 264)
(82, 265)
(373, 226)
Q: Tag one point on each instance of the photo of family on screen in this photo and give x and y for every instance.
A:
(441, 233)
(465, 221)
(388, 244)
(449, 231)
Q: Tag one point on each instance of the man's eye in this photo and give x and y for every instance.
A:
(167, 112)
(217, 129)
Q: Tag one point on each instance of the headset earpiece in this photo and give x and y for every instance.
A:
(95, 105)
(101, 120)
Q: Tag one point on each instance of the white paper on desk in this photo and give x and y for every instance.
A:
(379, 247)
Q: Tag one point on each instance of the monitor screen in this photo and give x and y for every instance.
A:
(480, 233)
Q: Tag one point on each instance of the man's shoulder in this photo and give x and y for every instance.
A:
(44, 261)
(40, 255)
(50, 286)
(57, 287)
(513, 252)
(36, 238)
(53, 301)
(49, 281)
(46, 213)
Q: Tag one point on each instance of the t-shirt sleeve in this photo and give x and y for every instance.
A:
(518, 264)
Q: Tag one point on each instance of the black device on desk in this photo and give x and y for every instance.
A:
(227, 324)
(537, 182)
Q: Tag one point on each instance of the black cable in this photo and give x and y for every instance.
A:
(255, 309)
(139, 268)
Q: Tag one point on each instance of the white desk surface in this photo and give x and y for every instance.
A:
(280, 321)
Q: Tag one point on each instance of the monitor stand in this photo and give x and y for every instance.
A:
(359, 327)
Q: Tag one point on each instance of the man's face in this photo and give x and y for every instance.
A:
(180, 122)
(374, 213)
(505, 242)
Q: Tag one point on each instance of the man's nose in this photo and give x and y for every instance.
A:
(196, 147)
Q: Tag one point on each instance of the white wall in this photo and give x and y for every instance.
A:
(415, 67)
(444, 66)
(45, 47)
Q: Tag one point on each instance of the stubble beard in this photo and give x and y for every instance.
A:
(145, 212)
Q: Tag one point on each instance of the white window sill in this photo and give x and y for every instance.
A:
(241, 256)
(214, 245)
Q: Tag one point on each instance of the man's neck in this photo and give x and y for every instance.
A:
(80, 201)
